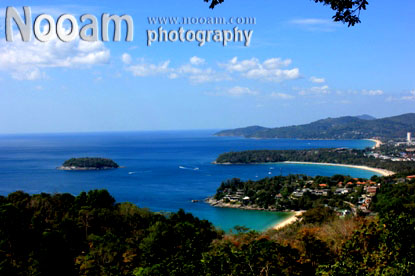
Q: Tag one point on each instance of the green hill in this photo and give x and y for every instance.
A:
(347, 127)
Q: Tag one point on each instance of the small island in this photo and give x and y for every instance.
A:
(88, 163)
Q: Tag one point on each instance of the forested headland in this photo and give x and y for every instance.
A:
(334, 156)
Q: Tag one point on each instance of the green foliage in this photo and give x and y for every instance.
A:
(90, 162)
(251, 255)
(214, 3)
(91, 235)
(398, 197)
(314, 252)
(381, 247)
(318, 215)
(346, 11)
(336, 156)
(170, 245)
(275, 193)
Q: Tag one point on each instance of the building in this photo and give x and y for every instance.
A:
(372, 190)
(409, 137)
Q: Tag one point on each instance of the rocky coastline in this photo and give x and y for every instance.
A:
(74, 168)
(219, 203)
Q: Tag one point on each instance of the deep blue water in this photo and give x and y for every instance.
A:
(162, 171)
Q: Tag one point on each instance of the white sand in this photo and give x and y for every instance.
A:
(380, 171)
(378, 143)
(291, 219)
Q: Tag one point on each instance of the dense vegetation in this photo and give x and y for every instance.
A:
(335, 128)
(275, 193)
(399, 197)
(92, 235)
(90, 162)
(336, 156)
(386, 244)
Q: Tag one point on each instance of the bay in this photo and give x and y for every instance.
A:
(162, 171)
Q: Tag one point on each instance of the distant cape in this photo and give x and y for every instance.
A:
(347, 127)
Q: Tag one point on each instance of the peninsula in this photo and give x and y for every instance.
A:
(88, 163)
(363, 159)
(344, 194)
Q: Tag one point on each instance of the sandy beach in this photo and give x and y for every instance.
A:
(380, 171)
(378, 143)
(291, 219)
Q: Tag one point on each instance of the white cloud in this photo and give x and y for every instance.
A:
(273, 69)
(316, 90)
(198, 75)
(208, 75)
(282, 96)
(192, 73)
(410, 97)
(126, 58)
(372, 92)
(27, 74)
(26, 60)
(270, 70)
(236, 91)
(72, 8)
(314, 24)
(274, 63)
(234, 66)
(317, 80)
(310, 21)
(196, 60)
(240, 91)
(145, 69)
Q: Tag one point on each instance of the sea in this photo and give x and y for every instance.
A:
(161, 170)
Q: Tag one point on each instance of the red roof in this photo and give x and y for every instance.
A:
(323, 185)
(411, 177)
(371, 189)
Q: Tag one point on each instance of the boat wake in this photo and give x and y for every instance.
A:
(189, 168)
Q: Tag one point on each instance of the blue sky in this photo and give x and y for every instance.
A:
(299, 67)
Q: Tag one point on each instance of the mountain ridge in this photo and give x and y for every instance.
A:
(346, 127)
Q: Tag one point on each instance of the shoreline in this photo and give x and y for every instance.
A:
(215, 203)
(65, 168)
(378, 143)
(383, 172)
(294, 215)
(289, 220)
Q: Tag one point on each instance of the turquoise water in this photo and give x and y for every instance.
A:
(162, 171)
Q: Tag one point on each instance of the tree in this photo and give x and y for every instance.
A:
(382, 246)
(347, 11)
